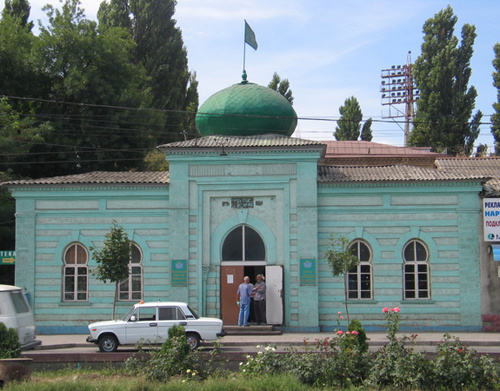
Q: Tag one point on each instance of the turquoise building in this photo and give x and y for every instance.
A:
(247, 198)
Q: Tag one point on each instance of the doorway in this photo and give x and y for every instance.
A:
(232, 277)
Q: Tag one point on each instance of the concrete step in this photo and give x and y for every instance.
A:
(252, 330)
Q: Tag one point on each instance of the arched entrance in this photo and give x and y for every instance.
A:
(243, 254)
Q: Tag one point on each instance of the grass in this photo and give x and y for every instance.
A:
(117, 380)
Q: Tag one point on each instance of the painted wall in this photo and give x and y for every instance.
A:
(190, 219)
(283, 187)
(444, 216)
(49, 219)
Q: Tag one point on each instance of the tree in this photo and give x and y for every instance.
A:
(18, 133)
(442, 72)
(20, 9)
(160, 49)
(91, 75)
(17, 75)
(155, 161)
(341, 260)
(349, 123)
(366, 131)
(495, 118)
(281, 86)
(113, 259)
(482, 150)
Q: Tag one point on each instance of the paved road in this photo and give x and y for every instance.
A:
(482, 342)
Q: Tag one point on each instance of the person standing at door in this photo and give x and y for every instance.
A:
(259, 300)
(243, 300)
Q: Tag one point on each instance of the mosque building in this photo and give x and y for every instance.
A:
(246, 198)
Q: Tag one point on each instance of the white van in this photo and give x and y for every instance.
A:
(15, 312)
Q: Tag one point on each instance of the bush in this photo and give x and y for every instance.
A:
(10, 347)
(360, 333)
(396, 364)
(458, 367)
(174, 358)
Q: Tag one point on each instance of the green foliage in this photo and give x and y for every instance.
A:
(106, 380)
(18, 76)
(495, 118)
(113, 259)
(366, 131)
(349, 123)
(281, 86)
(340, 257)
(341, 260)
(442, 72)
(155, 161)
(173, 359)
(19, 132)
(10, 347)
(19, 9)
(7, 216)
(160, 50)
(356, 328)
(265, 361)
(398, 365)
(458, 367)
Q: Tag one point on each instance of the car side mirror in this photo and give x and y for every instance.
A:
(133, 318)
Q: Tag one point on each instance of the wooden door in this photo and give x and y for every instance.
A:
(231, 277)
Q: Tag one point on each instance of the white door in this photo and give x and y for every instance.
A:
(274, 294)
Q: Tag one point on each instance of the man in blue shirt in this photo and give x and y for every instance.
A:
(243, 300)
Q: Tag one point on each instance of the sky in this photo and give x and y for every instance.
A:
(329, 50)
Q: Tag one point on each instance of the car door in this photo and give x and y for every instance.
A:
(142, 326)
(169, 316)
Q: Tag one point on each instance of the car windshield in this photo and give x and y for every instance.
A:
(195, 315)
(125, 318)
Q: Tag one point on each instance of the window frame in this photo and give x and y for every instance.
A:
(416, 273)
(129, 279)
(243, 243)
(359, 273)
(76, 274)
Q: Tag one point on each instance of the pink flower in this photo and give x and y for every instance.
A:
(340, 332)
(338, 313)
(396, 309)
(341, 317)
(354, 332)
(385, 310)
(348, 332)
(392, 310)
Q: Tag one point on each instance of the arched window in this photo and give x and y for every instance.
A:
(359, 279)
(243, 244)
(416, 270)
(131, 287)
(75, 281)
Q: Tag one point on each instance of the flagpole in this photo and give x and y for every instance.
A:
(244, 48)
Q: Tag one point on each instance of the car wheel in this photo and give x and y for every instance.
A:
(108, 344)
(193, 340)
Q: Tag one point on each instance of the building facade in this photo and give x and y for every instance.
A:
(248, 203)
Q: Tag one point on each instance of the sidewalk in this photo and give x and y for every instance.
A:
(60, 341)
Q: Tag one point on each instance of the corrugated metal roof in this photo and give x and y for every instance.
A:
(263, 141)
(100, 177)
(328, 174)
(489, 166)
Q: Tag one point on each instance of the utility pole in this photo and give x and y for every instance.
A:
(399, 88)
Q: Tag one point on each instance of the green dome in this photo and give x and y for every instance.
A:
(246, 109)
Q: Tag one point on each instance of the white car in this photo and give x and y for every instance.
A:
(15, 312)
(149, 323)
